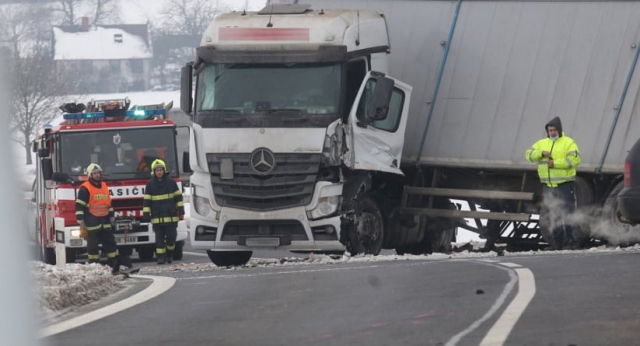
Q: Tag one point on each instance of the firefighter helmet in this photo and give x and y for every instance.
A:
(158, 163)
(93, 167)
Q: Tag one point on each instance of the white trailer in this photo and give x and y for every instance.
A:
(485, 75)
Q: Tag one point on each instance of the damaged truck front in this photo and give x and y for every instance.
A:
(297, 133)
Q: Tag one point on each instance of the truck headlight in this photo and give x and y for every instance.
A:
(75, 233)
(202, 206)
(326, 207)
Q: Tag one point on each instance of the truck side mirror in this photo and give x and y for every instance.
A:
(34, 146)
(381, 98)
(47, 169)
(186, 82)
(61, 177)
(186, 167)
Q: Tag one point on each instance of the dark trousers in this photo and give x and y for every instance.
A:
(104, 236)
(559, 204)
(166, 234)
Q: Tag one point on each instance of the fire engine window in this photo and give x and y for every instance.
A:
(122, 154)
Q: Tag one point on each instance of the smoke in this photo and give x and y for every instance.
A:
(595, 222)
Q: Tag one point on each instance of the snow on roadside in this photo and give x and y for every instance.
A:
(59, 290)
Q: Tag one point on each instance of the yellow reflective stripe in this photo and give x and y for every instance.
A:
(165, 219)
(147, 196)
(81, 202)
(160, 251)
(93, 228)
(568, 178)
(79, 212)
(180, 204)
(93, 257)
(171, 247)
(161, 197)
(532, 150)
(112, 254)
(177, 193)
(569, 163)
(107, 226)
(146, 209)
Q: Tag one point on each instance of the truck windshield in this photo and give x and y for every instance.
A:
(122, 154)
(268, 95)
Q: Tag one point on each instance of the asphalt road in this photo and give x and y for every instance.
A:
(577, 299)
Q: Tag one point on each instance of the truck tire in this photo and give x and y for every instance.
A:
(177, 252)
(229, 258)
(367, 235)
(146, 253)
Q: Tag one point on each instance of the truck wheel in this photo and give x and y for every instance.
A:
(177, 252)
(229, 258)
(439, 241)
(146, 253)
(367, 235)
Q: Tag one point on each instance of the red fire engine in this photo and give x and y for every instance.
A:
(124, 141)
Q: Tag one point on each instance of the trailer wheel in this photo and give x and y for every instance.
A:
(177, 252)
(625, 233)
(146, 253)
(125, 251)
(229, 258)
(367, 235)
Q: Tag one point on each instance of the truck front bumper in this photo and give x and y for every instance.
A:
(287, 229)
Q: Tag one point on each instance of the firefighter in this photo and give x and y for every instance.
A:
(94, 211)
(163, 207)
(557, 157)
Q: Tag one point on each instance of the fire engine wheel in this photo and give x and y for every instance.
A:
(229, 258)
(367, 235)
(49, 256)
(146, 253)
(177, 252)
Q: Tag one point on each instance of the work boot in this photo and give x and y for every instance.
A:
(115, 266)
(161, 258)
(169, 256)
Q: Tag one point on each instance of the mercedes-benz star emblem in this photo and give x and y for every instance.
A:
(263, 161)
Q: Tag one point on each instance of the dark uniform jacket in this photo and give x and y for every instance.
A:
(163, 201)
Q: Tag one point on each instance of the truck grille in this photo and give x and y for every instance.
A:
(289, 184)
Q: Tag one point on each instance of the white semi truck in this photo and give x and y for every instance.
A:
(304, 140)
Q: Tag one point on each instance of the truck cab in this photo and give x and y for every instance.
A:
(292, 112)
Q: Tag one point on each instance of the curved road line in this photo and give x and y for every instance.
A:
(159, 285)
(499, 332)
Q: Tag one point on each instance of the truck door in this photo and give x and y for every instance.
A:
(377, 124)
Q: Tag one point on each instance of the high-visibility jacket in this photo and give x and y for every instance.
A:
(565, 155)
(93, 205)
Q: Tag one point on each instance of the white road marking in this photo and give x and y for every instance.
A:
(194, 253)
(160, 285)
(498, 334)
(494, 308)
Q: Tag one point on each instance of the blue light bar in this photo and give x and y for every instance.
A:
(136, 113)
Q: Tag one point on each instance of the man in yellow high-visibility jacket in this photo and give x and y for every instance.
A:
(557, 157)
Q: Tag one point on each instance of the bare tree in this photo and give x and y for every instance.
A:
(36, 86)
(189, 17)
(100, 11)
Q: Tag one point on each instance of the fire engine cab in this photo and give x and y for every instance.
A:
(124, 141)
